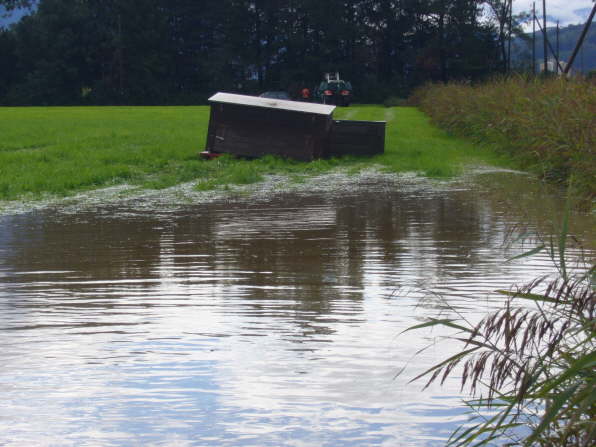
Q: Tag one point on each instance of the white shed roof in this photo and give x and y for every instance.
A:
(255, 101)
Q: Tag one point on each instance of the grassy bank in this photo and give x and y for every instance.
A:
(548, 125)
(63, 150)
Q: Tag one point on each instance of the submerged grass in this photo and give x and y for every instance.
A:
(63, 150)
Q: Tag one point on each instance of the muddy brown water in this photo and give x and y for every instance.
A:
(244, 322)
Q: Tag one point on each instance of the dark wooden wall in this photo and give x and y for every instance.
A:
(257, 131)
(356, 138)
(252, 131)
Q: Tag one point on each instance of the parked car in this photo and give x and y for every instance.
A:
(276, 95)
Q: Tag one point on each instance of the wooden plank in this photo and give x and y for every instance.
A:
(210, 144)
(251, 142)
(233, 114)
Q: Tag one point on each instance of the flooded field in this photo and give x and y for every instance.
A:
(267, 320)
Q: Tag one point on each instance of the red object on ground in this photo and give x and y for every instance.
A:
(305, 93)
(209, 155)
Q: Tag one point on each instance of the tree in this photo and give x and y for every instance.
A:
(156, 51)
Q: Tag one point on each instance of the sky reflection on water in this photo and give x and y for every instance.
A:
(243, 324)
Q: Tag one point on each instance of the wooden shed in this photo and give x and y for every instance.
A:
(253, 126)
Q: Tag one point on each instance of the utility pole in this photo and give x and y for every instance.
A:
(509, 43)
(557, 52)
(544, 36)
(550, 47)
(534, 38)
(580, 40)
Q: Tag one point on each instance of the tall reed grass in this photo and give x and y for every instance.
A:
(548, 124)
(532, 363)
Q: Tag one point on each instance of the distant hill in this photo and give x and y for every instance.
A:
(568, 36)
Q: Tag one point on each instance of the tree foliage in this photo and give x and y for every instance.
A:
(159, 51)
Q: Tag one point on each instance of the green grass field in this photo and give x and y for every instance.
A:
(63, 150)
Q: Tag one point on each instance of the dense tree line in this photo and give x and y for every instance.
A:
(181, 51)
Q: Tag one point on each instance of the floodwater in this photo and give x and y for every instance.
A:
(240, 322)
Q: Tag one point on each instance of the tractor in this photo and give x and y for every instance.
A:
(332, 90)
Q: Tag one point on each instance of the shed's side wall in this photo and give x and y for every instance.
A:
(256, 131)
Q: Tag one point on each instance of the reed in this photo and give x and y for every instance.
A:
(546, 124)
(531, 363)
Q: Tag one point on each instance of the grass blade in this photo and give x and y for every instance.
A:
(528, 253)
